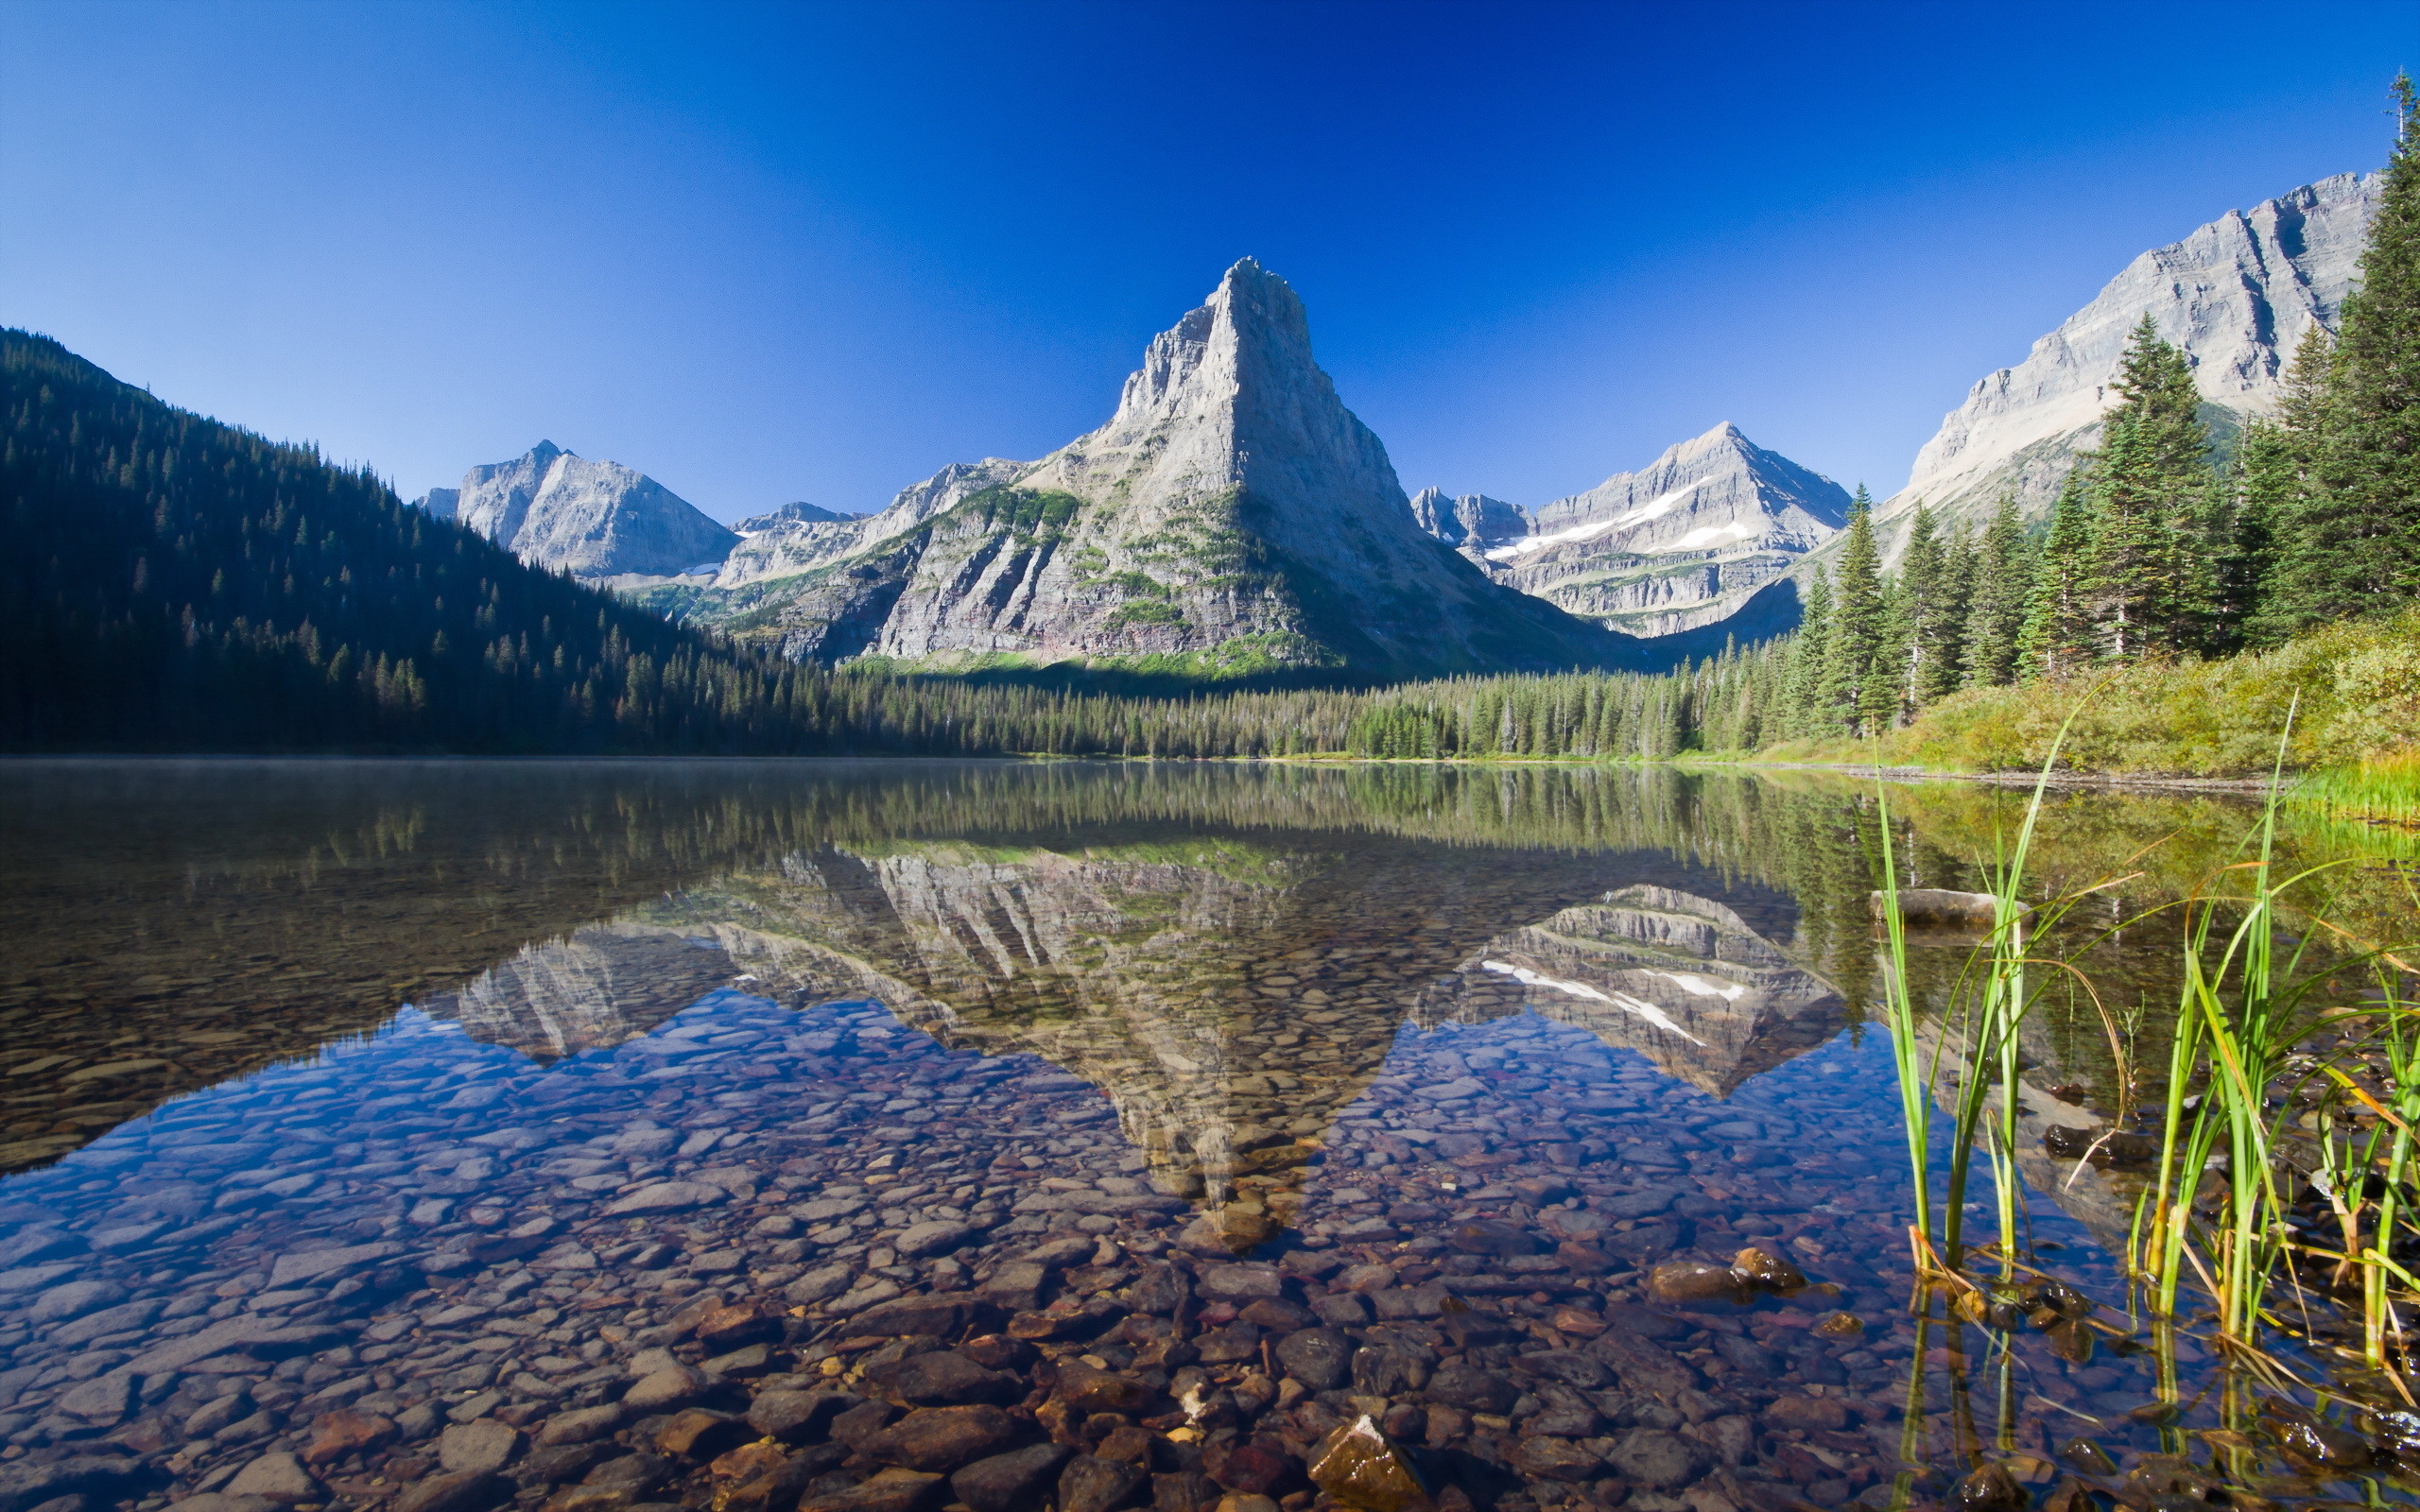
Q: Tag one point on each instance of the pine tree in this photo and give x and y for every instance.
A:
(1995, 614)
(2147, 582)
(2351, 544)
(2301, 560)
(1810, 652)
(1930, 632)
(2258, 487)
(2057, 639)
(1853, 657)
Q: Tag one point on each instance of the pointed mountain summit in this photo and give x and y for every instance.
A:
(1686, 541)
(1231, 517)
(595, 520)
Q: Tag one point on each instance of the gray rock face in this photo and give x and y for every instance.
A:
(1471, 523)
(1684, 541)
(440, 501)
(800, 537)
(2237, 295)
(595, 520)
(1233, 512)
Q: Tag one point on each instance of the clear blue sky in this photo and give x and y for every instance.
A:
(817, 252)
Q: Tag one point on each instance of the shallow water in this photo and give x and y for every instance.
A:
(399, 1117)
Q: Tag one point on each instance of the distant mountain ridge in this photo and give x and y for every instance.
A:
(1683, 543)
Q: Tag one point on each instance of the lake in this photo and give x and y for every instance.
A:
(595, 1135)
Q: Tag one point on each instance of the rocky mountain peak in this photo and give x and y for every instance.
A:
(2237, 295)
(595, 520)
(1685, 541)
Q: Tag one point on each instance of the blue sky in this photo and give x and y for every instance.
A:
(774, 253)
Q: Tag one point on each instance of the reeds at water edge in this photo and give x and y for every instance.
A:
(2275, 1085)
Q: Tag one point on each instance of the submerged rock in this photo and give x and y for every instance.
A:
(1691, 1280)
(1361, 1467)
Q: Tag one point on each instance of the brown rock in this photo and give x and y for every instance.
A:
(334, 1434)
(776, 1485)
(749, 1461)
(1577, 1321)
(467, 1493)
(944, 1317)
(1690, 1281)
(1250, 1466)
(1486, 1236)
(696, 1433)
(796, 1416)
(1090, 1483)
(890, 1490)
(944, 1378)
(937, 1440)
(997, 1351)
(480, 1447)
(1990, 1488)
(1556, 1459)
(1840, 1326)
(1086, 1389)
(1180, 1491)
(1657, 1458)
(728, 1328)
(1762, 1268)
(581, 1426)
(1005, 1483)
(1362, 1467)
(1644, 1365)
(1128, 1444)
(1586, 1259)
(1827, 1413)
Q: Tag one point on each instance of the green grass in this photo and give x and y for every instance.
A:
(2358, 688)
(2385, 789)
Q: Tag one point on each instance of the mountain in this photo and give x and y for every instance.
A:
(1687, 542)
(595, 520)
(2236, 296)
(1231, 517)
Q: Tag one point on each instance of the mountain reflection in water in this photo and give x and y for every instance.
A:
(1229, 998)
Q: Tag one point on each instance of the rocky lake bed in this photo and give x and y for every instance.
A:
(1206, 1167)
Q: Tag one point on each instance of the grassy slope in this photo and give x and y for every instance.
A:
(2359, 686)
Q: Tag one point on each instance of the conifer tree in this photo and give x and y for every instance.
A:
(1915, 632)
(2245, 506)
(1853, 657)
(1996, 612)
(2145, 585)
(2057, 639)
(2350, 543)
(1809, 650)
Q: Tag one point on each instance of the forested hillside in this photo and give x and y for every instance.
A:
(170, 582)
